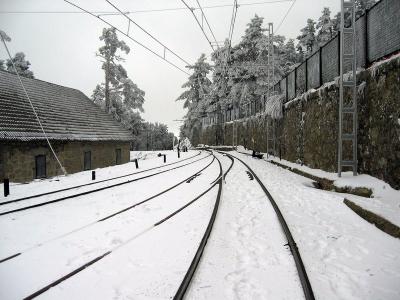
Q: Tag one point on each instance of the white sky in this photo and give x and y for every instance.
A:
(61, 47)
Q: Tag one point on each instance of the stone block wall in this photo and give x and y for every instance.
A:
(19, 157)
(308, 132)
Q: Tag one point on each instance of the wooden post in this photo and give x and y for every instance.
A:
(93, 175)
(6, 187)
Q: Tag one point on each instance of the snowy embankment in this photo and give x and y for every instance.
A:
(345, 257)
(385, 200)
(145, 262)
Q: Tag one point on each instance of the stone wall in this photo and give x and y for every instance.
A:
(19, 157)
(309, 129)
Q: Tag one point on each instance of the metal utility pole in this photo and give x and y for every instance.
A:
(270, 73)
(348, 100)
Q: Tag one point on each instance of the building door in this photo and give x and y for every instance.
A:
(40, 165)
(118, 156)
(87, 160)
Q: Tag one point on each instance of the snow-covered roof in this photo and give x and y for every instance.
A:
(66, 113)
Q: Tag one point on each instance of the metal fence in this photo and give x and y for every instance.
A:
(377, 34)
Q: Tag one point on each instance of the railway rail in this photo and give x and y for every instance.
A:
(305, 282)
(109, 216)
(94, 190)
(213, 184)
(92, 183)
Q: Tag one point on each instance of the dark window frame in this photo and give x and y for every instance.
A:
(118, 156)
(37, 167)
(85, 166)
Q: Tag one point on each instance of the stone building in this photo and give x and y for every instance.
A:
(82, 135)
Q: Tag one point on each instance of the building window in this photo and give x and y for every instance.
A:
(87, 160)
(118, 156)
(40, 165)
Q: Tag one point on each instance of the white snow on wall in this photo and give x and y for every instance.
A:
(273, 107)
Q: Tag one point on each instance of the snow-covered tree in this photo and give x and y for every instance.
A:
(21, 65)
(362, 5)
(325, 27)
(307, 38)
(196, 95)
(117, 88)
(117, 95)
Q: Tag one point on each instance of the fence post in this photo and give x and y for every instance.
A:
(136, 163)
(366, 40)
(338, 66)
(6, 187)
(306, 74)
(179, 153)
(93, 175)
(287, 93)
(320, 67)
(165, 158)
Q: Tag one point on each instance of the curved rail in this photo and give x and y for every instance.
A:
(305, 282)
(196, 259)
(93, 261)
(91, 183)
(106, 217)
(95, 190)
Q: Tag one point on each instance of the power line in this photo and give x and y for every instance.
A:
(145, 10)
(208, 24)
(284, 18)
(233, 19)
(33, 108)
(144, 30)
(128, 36)
(197, 21)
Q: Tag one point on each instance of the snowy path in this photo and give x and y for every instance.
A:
(246, 256)
(345, 257)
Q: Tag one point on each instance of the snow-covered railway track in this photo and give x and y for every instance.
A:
(305, 283)
(93, 183)
(110, 215)
(40, 203)
(143, 231)
(196, 259)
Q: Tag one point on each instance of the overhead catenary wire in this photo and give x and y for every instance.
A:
(285, 16)
(198, 23)
(128, 36)
(208, 24)
(149, 34)
(145, 10)
(33, 108)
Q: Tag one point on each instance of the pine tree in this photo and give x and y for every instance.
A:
(197, 92)
(307, 37)
(117, 87)
(118, 95)
(21, 65)
(289, 56)
(325, 26)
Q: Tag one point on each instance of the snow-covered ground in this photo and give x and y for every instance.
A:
(245, 258)
(385, 200)
(345, 257)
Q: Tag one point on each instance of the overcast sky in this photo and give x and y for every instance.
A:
(61, 47)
